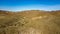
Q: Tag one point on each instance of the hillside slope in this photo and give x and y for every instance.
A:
(30, 22)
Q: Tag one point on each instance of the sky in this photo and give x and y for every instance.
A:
(21, 5)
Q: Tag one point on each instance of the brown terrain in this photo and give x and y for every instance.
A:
(30, 22)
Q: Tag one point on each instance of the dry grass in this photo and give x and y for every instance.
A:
(30, 22)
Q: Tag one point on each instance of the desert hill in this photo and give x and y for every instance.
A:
(30, 22)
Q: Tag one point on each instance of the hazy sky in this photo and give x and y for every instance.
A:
(19, 5)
